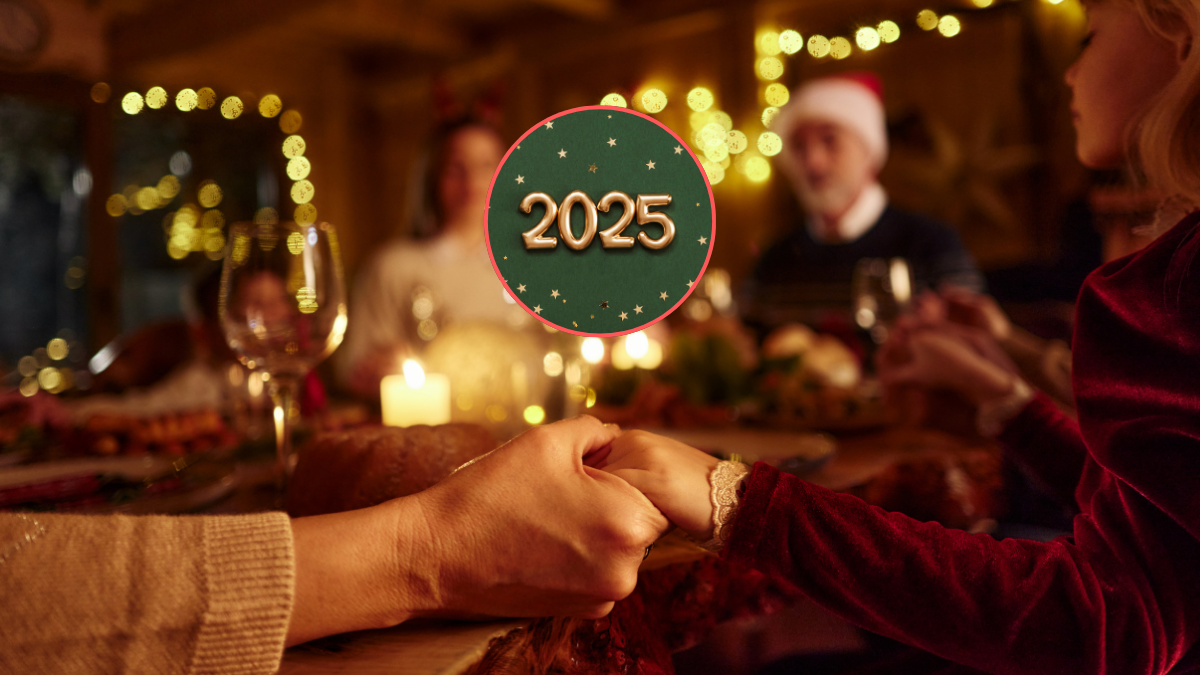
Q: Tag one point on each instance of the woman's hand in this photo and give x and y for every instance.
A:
(527, 530)
(672, 475)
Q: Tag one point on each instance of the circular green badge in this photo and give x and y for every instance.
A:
(600, 221)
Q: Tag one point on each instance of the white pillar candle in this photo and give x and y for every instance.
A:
(405, 405)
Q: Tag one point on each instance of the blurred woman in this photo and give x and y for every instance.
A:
(1123, 594)
(411, 287)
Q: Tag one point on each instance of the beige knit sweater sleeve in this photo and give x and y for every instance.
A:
(153, 594)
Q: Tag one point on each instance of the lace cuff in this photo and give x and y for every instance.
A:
(725, 480)
(993, 415)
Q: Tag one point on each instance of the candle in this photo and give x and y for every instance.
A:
(415, 397)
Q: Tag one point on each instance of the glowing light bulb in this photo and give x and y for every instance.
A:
(592, 350)
(637, 344)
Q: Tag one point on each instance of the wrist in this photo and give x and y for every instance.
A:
(991, 384)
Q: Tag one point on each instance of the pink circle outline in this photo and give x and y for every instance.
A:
(712, 212)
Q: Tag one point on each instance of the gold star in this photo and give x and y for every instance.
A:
(592, 168)
(549, 125)
(678, 150)
(537, 309)
(610, 117)
(604, 305)
(650, 164)
(703, 240)
(638, 309)
(575, 324)
(612, 142)
(592, 316)
(506, 257)
(624, 316)
(520, 180)
(689, 284)
(562, 153)
(662, 296)
(521, 288)
(554, 293)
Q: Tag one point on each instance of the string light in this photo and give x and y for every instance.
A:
(889, 31)
(927, 19)
(770, 68)
(187, 100)
(790, 42)
(776, 94)
(654, 100)
(700, 99)
(839, 48)
(949, 26)
(818, 46)
(867, 38)
(768, 43)
(614, 99)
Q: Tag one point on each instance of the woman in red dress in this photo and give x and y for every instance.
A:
(1122, 595)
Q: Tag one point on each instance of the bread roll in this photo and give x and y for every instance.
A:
(354, 469)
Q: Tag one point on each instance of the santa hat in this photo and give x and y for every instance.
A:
(853, 100)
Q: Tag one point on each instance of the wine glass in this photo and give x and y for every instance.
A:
(882, 292)
(283, 309)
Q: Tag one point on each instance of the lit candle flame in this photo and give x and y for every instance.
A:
(414, 375)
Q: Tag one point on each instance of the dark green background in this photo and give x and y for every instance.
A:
(623, 277)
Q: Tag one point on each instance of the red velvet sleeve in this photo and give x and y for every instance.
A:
(1048, 443)
(1103, 602)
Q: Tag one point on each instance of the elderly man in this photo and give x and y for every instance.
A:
(835, 143)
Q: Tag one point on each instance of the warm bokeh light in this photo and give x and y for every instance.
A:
(637, 344)
(306, 302)
(270, 106)
(294, 146)
(101, 92)
(209, 194)
(736, 142)
(889, 31)
(818, 46)
(592, 350)
(867, 38)
(770, 68)
(232, 108)
(212, 220)
(722, 118)
(295, 246)
(57, 349)
(700, 99)
(768, 43)
(49, 378)
(298, 168)
(206, 98)
(757, 169)
(949, 25)
(302, 191)
(711, 135)
(535, 414)
(132, 103)
(290, 121)
(769, 143)
(614, 99)
(305, 214)
(768, 116)
(147, 198)
(927, 19)
(839, 48)
(790, 42)
(654, 100)
(984, 3)
(186, 100)
(776, 94)
(552, 364)
(156, 98)
(168, 187)
(115, 205)
(714, 171)
(717, 154)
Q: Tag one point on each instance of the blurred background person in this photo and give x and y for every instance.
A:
(410, 289)
(834, 146)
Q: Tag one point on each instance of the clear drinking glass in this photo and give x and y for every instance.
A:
(882, 292)
(283, 309)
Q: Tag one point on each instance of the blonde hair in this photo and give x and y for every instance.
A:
(1166, 141)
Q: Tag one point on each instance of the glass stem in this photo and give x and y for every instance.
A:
(283, 393)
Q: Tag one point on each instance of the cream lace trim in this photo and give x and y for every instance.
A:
(725, 480)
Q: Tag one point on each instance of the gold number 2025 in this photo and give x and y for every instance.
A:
(609, 238)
